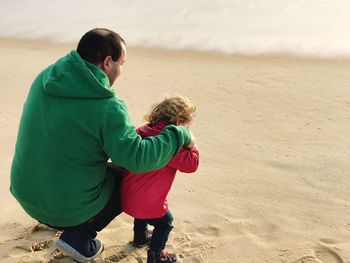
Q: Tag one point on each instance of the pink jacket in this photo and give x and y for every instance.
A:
(143, 195)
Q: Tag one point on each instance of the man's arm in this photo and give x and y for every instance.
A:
(127, 149)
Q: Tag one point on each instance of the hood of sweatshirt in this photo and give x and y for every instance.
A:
(73, 77)
(148, 130)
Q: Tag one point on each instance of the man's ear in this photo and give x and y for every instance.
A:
(106, 63)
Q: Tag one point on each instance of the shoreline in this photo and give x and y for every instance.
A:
(46, 43)
(273, 134)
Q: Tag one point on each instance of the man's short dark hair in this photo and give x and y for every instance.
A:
(99, 43)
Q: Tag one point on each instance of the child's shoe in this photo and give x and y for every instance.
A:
(160, 257)
(141, 240)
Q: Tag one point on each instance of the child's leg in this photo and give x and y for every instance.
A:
(140, 226)
(141, 235)
(162, 228)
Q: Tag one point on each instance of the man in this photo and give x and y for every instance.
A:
(72, 124)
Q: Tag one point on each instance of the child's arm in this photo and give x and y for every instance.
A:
(187, 160)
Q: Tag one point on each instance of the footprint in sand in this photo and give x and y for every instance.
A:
(124, 253)
(192, 248)
(41, 232)
(117, 257)
(327, 255)
(34, 244)
(20, 249)
(307, 259)
(212, 231)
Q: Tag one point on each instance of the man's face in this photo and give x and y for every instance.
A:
(114, 68)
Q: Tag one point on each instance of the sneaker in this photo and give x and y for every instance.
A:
(95, 244)
(141, 240)
(160, 257)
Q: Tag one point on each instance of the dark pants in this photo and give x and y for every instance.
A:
(80, 235)
(162, 228)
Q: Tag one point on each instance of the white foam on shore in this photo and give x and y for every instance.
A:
(303, 27)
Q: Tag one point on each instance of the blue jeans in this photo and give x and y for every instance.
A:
(162, 228)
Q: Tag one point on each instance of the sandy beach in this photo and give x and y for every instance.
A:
(274, 137)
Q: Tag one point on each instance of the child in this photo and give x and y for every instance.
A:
(143, 196)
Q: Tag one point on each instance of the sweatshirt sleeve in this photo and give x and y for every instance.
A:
(128, 150)
(186, 161)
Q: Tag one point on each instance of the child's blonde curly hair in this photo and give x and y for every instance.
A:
(172, 110)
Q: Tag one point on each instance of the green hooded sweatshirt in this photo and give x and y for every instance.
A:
(72, 123)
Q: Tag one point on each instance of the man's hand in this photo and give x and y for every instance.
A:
(193, 141)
